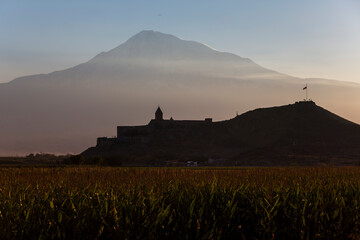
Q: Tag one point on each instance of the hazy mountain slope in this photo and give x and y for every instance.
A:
(65, 111)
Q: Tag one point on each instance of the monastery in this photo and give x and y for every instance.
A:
(144, 133)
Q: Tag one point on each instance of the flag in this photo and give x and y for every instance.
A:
(305, 88)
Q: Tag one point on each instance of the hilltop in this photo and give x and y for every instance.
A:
(297, 134)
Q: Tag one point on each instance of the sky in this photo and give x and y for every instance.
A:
(301, 38)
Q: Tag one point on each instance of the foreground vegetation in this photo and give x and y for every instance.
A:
(179, 203)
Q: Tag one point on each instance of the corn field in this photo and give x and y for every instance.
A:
(179, 203)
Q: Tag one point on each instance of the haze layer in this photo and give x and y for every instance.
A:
(65, 111)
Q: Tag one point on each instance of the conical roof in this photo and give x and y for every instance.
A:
(158, 110)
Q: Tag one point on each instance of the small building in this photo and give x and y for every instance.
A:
(191, 164)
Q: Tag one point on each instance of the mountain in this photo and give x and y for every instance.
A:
(66, 110)
(301, 133)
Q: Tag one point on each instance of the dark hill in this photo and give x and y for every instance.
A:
(299, 123)
(297, 134)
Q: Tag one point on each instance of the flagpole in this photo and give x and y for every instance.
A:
(306, 96)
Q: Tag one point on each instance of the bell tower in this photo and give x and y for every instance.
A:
(159, 114)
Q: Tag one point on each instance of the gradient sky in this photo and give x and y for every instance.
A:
(305, 38)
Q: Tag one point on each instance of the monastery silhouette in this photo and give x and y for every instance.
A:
(144, 133)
